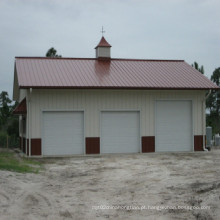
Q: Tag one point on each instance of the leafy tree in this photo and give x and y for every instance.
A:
(196, 66)
(4, 99)
(213, 102)
(8, 122)
(52, 53)
(5, 109)
(216, 76)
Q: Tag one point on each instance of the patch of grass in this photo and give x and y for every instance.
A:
(10, 161)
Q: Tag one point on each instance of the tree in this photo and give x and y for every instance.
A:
(216, 76)
(6, 116)
(196, 66)
(213, 118)
(52, 53)
(213, 102)
(4, 99)
(9, 123)
(5, 109)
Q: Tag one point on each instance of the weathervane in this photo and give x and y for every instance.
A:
(102, 31)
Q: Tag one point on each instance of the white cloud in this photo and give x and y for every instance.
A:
(171, 29)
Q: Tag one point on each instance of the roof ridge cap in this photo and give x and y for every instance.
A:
(56, 58)
(152, 60)
(88, 58)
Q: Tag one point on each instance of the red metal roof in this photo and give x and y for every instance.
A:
(36, 72)
(103, 43)
(21, 109)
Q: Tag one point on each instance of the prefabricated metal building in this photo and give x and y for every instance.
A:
(101, 105)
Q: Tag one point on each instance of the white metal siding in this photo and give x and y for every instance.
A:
(23, 94)
(120, 132)
(173, 126)
(62, 133)
(92, 101)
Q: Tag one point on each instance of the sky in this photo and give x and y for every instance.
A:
(142, 29)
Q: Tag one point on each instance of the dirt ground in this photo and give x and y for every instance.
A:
(138, 186)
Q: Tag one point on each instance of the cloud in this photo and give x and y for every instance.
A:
(171, 29)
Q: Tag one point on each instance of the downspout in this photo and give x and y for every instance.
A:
(29, 122)
(21, 130)
(203, 107)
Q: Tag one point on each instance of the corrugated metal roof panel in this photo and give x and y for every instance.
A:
(115, 73)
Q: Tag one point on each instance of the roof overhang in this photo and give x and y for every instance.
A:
(21, 109)
(116, 88)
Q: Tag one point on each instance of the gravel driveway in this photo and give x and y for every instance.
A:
(137, 186)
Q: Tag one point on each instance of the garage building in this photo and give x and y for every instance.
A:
(76, 106)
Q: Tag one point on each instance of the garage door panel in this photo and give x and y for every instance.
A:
(63, 133)
(173, 126)
(120, 132)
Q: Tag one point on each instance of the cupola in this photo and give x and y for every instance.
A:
(103, 49)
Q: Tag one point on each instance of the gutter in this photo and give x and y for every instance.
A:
(203, 123)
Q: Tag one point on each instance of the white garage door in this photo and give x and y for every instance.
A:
(120, 132)
(62, 133)
(173, 126)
